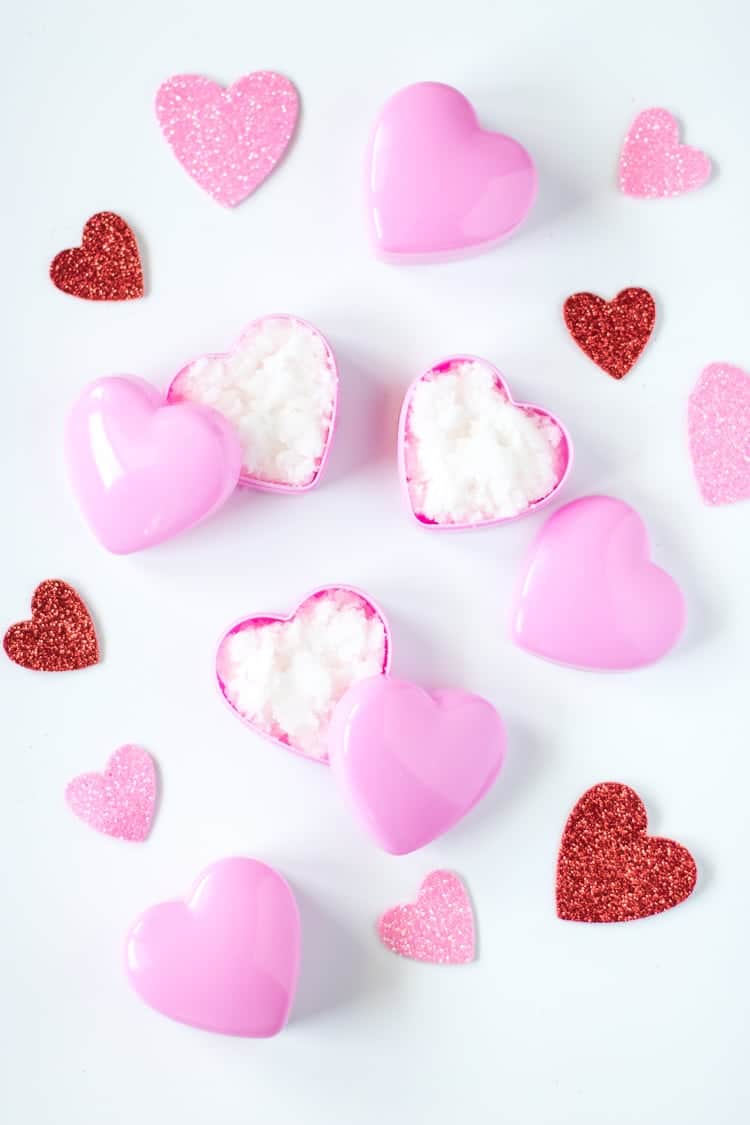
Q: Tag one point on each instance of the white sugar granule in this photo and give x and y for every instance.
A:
(472, 455)
(278, 388)
(287, 677)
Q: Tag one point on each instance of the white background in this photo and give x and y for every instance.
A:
(555, 1023)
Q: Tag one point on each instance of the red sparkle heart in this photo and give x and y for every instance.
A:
(60, 635)
(609, 870)
(612, 333)
(105, 267)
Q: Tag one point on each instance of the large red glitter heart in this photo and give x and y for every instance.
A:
(609, 870)
(105, 267)
(60, 636)
(612, 333)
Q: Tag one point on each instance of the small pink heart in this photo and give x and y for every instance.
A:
(120, 801)
(719, 433)
(227, 958)
(413, 763)
(437, 184)
(590, 595)
(653, 163)
(438, 927)
(143, 471)
(229, 140)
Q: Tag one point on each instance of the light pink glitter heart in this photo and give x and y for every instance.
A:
(438, 927)
(653, 163)
(120, 801)
(719, 433)
(229, 140)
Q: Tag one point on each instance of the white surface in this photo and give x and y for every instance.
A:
(556, 1023)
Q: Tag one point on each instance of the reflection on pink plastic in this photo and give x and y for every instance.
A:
(225, 959)
(437, 185)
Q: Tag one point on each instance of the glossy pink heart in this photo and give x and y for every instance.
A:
(438, 927)
(283, 676)
(229, 140)
(719, 433)
(474, 456)
(227, 958)
(143, 471)
(437, 185)
(413, 763)
(590, 595)
(120, 801)
(653, 163)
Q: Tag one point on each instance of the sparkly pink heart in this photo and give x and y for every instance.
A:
(653, 163)
(230, 140)
(438, 927)
(719, 433)
(120, 801)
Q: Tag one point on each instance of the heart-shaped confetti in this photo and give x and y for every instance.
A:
(653, 163)
(438, 927)
(120, 801)
(105, 267)
(719, 433)
(611, 333)
(609, 869)
(230, 140)
(60, 636)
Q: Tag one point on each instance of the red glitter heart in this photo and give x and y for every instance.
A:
(60, 635)
(105, 267)
(612, 333)
(609, 870)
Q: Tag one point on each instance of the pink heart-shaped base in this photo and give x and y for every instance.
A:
(590, 596)
(143, 471)
(413, 763)
(120, 801)
(421, 476)
(227, 958)
(719, 433)
(653, 163)
(438, 927)
(437, 185)
(313, 652)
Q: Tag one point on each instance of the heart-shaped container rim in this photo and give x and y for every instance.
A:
(246, 480)
(442, 368)
(274, 618)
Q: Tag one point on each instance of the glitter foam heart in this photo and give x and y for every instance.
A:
(105, 267)
(611, 333)
(719, 433)
(653, 163)
(438, 927)
(60, 637)
(120, 801)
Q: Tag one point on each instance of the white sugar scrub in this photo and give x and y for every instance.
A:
(470, 455)
(285, 676)
(278, 386)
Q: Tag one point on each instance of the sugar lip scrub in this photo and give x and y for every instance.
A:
(284, 676)
(278, 386)
(470, 455)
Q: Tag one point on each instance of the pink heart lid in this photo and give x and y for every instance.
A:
(411, 762)
(590, 595)
(469, 455)
(283, 675)
(437, 185)
(143, 471)
(226, 958)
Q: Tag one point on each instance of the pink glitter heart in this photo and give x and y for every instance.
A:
(719, 433)
(653, 163)
(229, 140)
(119, 802)
(438, 927)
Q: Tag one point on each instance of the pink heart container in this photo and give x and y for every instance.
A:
(283, 675)
(278, 387)
(470, 456)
